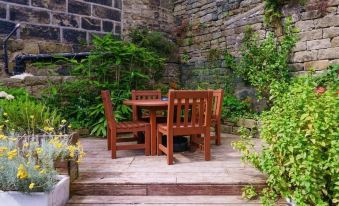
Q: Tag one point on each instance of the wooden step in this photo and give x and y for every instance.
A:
(109, 189)
(162, 200)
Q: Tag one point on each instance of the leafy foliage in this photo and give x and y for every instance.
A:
(234, 108)
(249, 192)
(264, 62)
(301, 145)
(115, 65)
(154, 41)
(273, 12)
(25, 115)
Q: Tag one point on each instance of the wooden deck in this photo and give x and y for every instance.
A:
(134, 175)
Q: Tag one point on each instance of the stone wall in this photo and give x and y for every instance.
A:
(207, 26)
(154, 14)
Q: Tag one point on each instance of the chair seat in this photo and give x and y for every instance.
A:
(131, 124)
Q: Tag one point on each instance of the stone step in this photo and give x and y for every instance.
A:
(162, 201)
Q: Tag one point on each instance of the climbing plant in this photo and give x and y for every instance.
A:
(264, 62)
(273, 13)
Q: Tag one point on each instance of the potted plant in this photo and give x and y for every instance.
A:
(27, 173)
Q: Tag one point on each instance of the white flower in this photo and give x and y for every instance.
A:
(6, 96)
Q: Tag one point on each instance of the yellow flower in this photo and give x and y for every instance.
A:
(5, 114)
(39, 150)
(48, 129)
(22, 172)
(37, 167)
(63, 121)
(27, 155)
(13, 139)
(43, 171)
(31, 186)
(6, 121)
(2, 137)
(32, 116)
(71, 149)
(26, 144)
(11, 154)
(69, 126)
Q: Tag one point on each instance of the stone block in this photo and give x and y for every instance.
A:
(107, 26)
(331, 32)
(335, 42)
(102, 2)
(310, 15)
(311, 35)
(331, 53)
(297, 67)
(226, 129)
(327, 21)
(23, 14)
(40, 32)
(91, 23)
(317, 65)
(305, 25)
(35, 80)
(78, 7)
(305, 56)
(24, 2)
(106, 13)
(318, 44)
(118, 4)
(6, 27)
(3, 11)
(73, 36)
(50, 47)
(117, 29)
(10, 82)
(67, 20)
(300, 46)
(54, 5)
(31, 48)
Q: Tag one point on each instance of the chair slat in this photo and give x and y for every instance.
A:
(186, 111)
(178, 112)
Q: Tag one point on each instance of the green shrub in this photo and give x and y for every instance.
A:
(113, 64)
(300, 152)
(233, 108)
(264, 62)
(154, 41)
(25, 115)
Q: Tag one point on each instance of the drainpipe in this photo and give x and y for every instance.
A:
(5, 57)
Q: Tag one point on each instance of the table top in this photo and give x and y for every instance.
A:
(147, 103)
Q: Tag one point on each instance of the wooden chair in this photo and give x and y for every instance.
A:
(143, 94)
(218, 96)
(114, 128)
(195, 122)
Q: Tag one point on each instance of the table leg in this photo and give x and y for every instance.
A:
(153, 122)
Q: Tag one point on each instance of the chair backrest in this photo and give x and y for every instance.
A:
(143, 94)
(189, 109)
(106, 100)
(218, 96)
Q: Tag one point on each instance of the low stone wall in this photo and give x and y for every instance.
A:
(35, 84)
(232, 128)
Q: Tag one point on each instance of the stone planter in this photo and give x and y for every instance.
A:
(57, 197)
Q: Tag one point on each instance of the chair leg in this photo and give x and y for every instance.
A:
(169, 149)
(159, 142)
(147, 140)
(114, 145)
(109, 140)
(217, 134)
(207, 146)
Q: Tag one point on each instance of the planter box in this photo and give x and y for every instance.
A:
(57, 197)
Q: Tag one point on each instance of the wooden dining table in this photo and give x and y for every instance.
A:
(153, 106)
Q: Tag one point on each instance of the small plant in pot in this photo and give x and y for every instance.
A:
(300, 149)
(27, 173)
